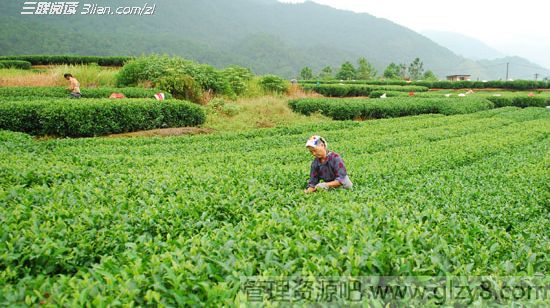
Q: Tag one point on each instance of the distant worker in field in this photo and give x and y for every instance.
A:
(74, 87)
(327, 166)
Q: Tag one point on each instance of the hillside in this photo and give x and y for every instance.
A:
(463, 45)
(265, 35)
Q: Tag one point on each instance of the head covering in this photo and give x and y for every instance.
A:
(160, 96)
(315, 141)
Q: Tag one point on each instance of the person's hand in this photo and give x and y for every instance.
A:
(322, 186)
(310, 190)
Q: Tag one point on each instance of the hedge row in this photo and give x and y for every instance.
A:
(24, 65)
(508, 99)
(363, 82)
(68, 59)
(519, 101)
(61, 92)
(85, 118)
(512, 85)
(349, 109)
(512, 98)
(350, 90)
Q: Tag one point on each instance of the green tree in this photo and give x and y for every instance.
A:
(430, 76)
(365, 71)
(273, 83)
(181, 87)
(347, 71)
(237, 77)
(392, 71)
(306, 73)
(326, 73)
(416, 69)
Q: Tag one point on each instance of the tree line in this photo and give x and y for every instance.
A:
(366, 71)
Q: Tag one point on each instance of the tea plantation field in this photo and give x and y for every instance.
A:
(178, 221)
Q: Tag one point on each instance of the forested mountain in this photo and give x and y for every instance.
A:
(265, 35)
(464, 45)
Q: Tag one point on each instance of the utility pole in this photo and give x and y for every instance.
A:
(507, 66)
(536, 76)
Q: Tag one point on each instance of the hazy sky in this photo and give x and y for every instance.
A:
(512, 27)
